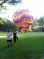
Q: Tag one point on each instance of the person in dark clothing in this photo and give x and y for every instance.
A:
(15, 36)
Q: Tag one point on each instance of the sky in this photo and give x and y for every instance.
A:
(35, 7)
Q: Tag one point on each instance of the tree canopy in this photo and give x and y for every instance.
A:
(9, 2)
(4, 25)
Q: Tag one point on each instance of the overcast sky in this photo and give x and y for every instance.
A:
(35, 7)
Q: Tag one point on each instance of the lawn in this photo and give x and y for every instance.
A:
(29, 46)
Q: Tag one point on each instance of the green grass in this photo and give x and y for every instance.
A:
(30, 45)
(2, 33)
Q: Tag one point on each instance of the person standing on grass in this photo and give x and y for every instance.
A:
(15, 36)
(9, 38)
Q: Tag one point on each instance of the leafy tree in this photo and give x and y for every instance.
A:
(41, 21)
(9, 1)
(2, 21)
(4, 25)
(7, 24)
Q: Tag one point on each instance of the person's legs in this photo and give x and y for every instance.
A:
(14, 39)
(9, 43)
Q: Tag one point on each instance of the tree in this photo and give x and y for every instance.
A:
(2, 21)
(9, 1)
(41, 21)
(4, 25)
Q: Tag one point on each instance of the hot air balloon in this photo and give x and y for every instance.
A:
(23, 20)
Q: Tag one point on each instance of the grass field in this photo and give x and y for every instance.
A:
(29, 46)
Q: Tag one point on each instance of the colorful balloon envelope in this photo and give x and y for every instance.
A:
(22, 19)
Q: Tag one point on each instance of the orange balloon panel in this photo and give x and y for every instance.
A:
(25, 29)
(24, 23)
(28, 21)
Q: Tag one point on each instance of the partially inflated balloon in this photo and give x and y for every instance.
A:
(22, 19)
